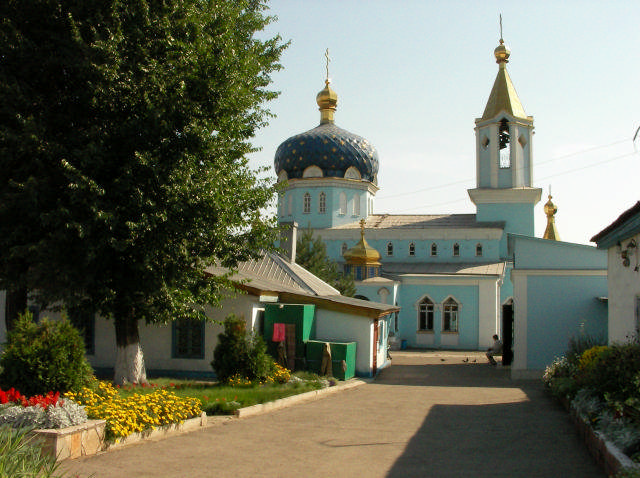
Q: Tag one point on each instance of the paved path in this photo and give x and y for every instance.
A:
(429, 415)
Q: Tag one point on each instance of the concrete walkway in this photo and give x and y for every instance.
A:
(429, 415)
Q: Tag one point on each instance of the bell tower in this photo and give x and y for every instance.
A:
(504, 137)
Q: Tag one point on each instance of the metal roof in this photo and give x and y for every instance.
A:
(445, 268)
(423, 221)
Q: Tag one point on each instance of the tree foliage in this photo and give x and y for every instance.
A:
(124, 130)
(311, 253)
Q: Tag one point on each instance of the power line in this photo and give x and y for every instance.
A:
(588, 166)
(468, 180)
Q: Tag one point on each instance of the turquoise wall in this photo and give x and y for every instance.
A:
(490, 249)
(315, 219)
(534, 253)
(467, 296)
(559, 307)
(518, 218)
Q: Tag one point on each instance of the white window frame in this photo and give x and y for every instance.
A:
(343, 204)
(451, 307)
(306, 203)
(426, 306)
(322, 203)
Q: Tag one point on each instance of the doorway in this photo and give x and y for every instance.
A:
(507, 332)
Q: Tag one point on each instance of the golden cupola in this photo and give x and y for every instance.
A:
(551, 232)
(362, 260)
(327, 101)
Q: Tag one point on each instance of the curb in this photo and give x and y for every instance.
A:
(266, 407)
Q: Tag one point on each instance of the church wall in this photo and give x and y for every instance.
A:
(333, 189)
(518, 216)
(490, 249)
(438, 291)
(535, 253)
(561, 307)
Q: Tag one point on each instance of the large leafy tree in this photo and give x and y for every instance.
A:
(311, 253)
(124, 130)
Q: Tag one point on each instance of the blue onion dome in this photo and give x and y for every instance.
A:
(327, 150)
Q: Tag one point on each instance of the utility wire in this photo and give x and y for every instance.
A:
(609, 160)
(468, 180)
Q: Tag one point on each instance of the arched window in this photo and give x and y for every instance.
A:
(450, 310)
(290, 205)
(426, 310)
(412, 249)
(383, 295)
(390, 249)
(478, 249)
(343, 204)
(456, 250)
(344, 248)
(356, 206)
(322, 203)
(434, 249)
(306, 203)
(504, 141)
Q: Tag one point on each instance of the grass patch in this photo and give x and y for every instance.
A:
(217, 399)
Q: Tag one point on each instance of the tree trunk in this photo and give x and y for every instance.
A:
(129, 366)
(16, 304)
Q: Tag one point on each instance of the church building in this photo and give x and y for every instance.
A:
(449, 273)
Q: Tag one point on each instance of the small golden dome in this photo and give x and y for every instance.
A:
(327, 101)
(550, 209)
(362, 252)
(502, 52)
(551, 232)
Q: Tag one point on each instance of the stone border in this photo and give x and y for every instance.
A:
(71, 442)
(293, 399)
(88, 438)
(159, 433)
(606, 454)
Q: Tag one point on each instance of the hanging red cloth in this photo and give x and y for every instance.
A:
(278, 332)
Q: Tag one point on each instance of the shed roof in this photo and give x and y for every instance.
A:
(272, 274)
(627, 224)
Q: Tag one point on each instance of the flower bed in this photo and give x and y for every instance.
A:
(137, 412)
(600, 387)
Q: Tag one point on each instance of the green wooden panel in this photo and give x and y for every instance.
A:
(301, 315)
(339, 351)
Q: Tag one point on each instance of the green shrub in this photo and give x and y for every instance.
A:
(240, 353)
(612, 372)
(578, 344)
(44, 357)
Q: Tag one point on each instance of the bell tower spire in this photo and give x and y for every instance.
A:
(504, 136)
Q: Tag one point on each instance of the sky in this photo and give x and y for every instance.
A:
(412, 77)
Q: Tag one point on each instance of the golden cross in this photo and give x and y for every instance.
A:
(362, 223)
(326, 55)
(501, 26)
